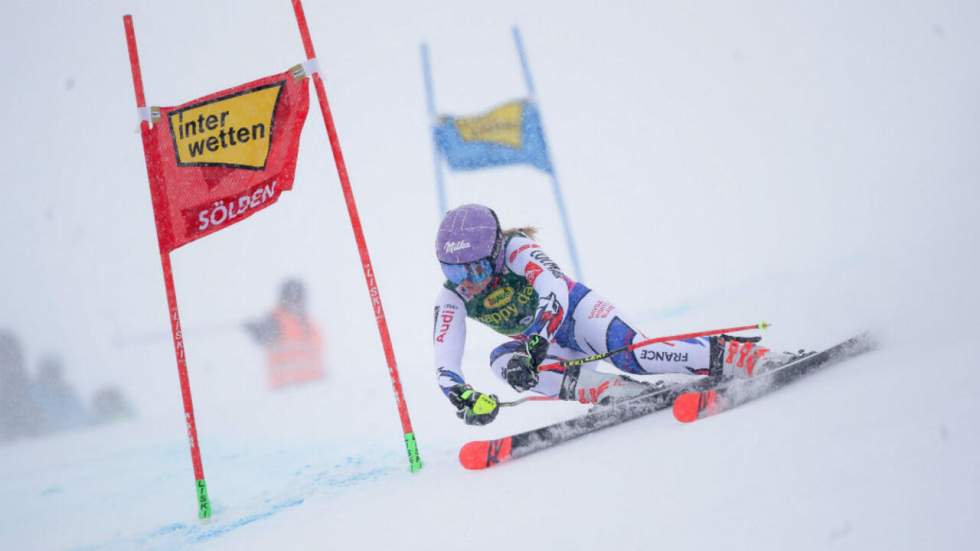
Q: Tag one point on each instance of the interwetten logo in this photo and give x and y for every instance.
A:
(233, 131)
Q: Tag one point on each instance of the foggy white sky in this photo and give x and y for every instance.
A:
(699, 147)
(810, 163)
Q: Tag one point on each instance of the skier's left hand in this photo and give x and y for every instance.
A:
(474, 408)
(522, 368)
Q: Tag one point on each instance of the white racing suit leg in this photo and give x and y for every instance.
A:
(599, 328)
(594, 326)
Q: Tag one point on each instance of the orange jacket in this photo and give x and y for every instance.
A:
(297, 355)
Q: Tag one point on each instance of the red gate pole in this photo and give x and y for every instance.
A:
(203, 502)
(414, 459)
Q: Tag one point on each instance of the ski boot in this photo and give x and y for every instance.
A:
(589, 386)
(732, 357)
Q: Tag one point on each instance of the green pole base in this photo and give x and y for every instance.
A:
(414, 461)
(203, 503)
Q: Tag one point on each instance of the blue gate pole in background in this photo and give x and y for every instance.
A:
(573, 251)
(430, 100)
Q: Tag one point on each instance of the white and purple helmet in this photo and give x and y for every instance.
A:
(468, 243)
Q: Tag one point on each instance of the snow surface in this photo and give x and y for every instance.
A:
(814, 165)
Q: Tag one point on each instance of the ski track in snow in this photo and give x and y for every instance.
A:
(307, 483)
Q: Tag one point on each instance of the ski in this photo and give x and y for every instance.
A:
(482, 454)
(703, 399)
(694, 404)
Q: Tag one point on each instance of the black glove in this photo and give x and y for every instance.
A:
(473, 407)
(522, 368)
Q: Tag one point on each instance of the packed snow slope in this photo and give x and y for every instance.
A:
(811, 165)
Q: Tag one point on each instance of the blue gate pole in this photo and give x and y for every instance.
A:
(554, 176)
(436, 154)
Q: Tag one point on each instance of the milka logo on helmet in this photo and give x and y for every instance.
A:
(453, 246)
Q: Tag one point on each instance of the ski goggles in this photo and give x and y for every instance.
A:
(475, 271)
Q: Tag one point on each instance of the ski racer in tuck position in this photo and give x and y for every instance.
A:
(505, 280)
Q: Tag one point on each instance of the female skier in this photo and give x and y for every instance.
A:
(505, 280)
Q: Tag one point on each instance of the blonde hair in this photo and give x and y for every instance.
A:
(529, 231)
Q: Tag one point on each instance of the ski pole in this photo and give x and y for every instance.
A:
(562, 365)
(520, 401)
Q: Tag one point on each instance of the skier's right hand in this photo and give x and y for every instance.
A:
(474, 408)
(521, 371)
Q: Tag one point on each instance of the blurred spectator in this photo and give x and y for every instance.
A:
(294, 349)
(60, 406)
(109, 404)
(18, 415)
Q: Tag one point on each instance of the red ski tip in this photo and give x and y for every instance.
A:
(689, 406)
(473, 455)
(686, 407)
(484, 453)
